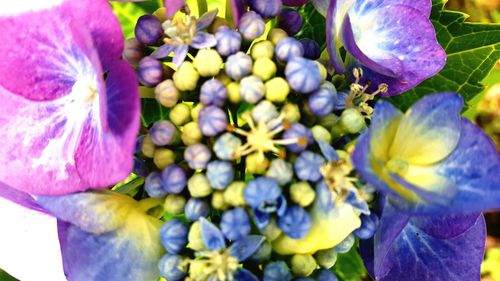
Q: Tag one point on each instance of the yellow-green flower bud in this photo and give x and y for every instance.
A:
(303, 265)
(191, 133)
(320, 133)
(262, 49)
(207, 62)
(198, 186)
(276, 34)
(291, 112)
(166, 93)
(186, 77)
(277, 89)
(329, 121)
(194, 237)
(256, 164)
(223, 78)
(352, 121)
(271, 230)
(233, 194)
(218, 200)
(233, 92)
(326, 258)
(264, 68)
(322, 70)
(148, 147)
(180, 114)
(174, 204)
(302, 193)
(163, 157)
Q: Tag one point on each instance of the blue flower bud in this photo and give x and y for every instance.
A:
(174, 179)
(281, 171)
(133, 51)
(212, 92)
(197, 156)
(277, 271)
(162, 132)
(228, 41)
(346, 244)
(148, 30)
(149, 72)
(326, 275)
(140, 168)
(154, 186)
(220, 174)
(226, 145)
(288, 48)
(196, 208)
(312, 50)
(238, 65)
(265, 111)
(341, 100)
(267, 9)
(170, 267)
(322, 101)
(252, 89)
(235, 224)
(369, 225)
(173, 236)
(251, 25)
(307, 166)
(290, 21)
(212, 120)
(303, 75)
(295, 223)
(301, 133)
(262, 191)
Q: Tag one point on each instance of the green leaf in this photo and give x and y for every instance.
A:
(129, 12)
(313, 26)
(4, 276)
(349, 266)
(472, 50)
(152, 111)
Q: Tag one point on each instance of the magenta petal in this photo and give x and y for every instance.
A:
(173, 6)
(19, 197)
(238, 8)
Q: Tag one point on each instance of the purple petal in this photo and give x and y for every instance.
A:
(327, 150)
(180, 54)
(244, 275)
(295, 2)
(212, 236)
(238, 8)
(203, 40)
(206, 19)
(19, 197)
(173, 6)
(424, 6)
(245, 247)
(333, 39)
(163, 51)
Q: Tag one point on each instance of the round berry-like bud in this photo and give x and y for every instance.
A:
(291, 112)
(218, 200)
(303, 265)
(281, 171)
(133, 51)
(140, 168)
(295, 222)
(276, 34)
(195, 112)
(277, 89)
(233, 194)
(228, 41)
(162, 132)
(212, 92)
(329, 121)
(256, 164)
(261, 191)
(173, 236)
(196, 208)
(251, 25)
(153, 185)
(262, 49)
(264, 68)
(233, 92)
(223, 78)
(166, 93)
(267, 9)
(174, 204)
(207, 62)
(346, 244)
(238, 65)
(194, 237)
(300, 133)
(303, 75)
(186, 77)
(148, 30)
(326, 275)
(197, 156)
(352, 121)
(171, 267)
(148, 147)
(369, 224)
(326, 258)
(290, 21)
(163, 157)
(312, 50)
(149, 72)
(252, 89)
(306, 166)
(288, 48)
(226, 146)
(235, 224)
(199, 186)
(212, 121)
(322, 101)
(174, 179)
(271, 230)
(180, 114)
(264, 111)
(191, 133)
(302, 193)
(220, 174)
(277, 271)
(321, 133)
